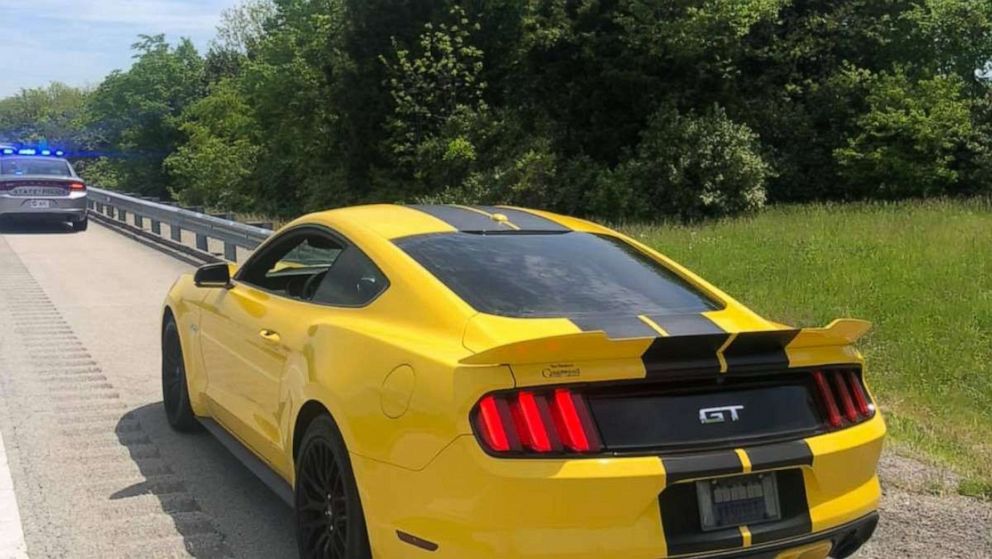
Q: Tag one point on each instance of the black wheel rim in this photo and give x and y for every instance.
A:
(172, 374)
(322, 505)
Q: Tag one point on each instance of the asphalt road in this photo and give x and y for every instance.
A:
(96, 470)
(98, 473)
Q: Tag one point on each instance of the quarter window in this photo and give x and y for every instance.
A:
(311, 265)
(352, 281)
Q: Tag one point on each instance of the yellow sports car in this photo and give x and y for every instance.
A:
(494, 382)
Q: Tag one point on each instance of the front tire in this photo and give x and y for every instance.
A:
(175, 390)
(330, 523)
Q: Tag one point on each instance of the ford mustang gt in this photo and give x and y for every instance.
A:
(494, 382)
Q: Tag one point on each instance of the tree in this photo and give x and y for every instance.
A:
(133, 114)
(240, 34)
(433, 90)
(45, 115)
(910, 140)
(618, 108)
(213, 167)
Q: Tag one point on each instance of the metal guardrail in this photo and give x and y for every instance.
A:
(114, 208)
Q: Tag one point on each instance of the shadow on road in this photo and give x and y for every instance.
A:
(13, 226)
(218, 507)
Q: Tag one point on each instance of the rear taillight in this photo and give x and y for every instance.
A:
(842, 397)
(77, 186)
(536, 422)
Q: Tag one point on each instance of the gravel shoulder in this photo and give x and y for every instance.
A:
(923, 516)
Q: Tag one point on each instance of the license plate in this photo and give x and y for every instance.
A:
(37, 191)
(39, 204)
(736, 501)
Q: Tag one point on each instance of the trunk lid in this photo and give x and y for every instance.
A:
(33, 186)
(681, 393)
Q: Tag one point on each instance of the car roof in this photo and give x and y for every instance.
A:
(394, 221)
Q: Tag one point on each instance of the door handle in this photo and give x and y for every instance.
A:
(270, 335)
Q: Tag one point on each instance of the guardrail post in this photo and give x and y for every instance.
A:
(139, 221)
(156, 227)
(201, 242)
(175, 233)
(122, 215)
(231, 252)
(110, 212)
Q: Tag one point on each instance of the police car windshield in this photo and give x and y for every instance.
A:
(18, 166)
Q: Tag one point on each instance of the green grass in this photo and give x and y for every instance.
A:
(920, 271)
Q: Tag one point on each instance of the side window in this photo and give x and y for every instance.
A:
(294, 266)
(352, 281)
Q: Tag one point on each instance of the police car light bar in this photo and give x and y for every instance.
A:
(31, 151)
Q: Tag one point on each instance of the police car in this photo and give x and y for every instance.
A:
(40, 184)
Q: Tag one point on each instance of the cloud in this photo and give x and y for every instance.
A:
(81, 41)
(174, 15)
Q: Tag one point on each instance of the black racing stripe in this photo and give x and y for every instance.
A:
(794, 507)
(680, 521)
(615, 326)
(679, 507)
(462, 219)
(683, 356)
(767, 457)
(759, 350)
(686, 324)
(689, 466)
(525, 220)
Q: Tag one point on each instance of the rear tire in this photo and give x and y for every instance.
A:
(330, 523)
(81, 225)
(175, 390)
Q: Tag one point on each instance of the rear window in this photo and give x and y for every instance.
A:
(17, 166)
(553, 275)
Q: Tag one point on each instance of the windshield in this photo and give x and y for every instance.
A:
(553, 275)
(18, 166)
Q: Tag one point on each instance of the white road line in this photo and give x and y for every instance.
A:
(11, 535)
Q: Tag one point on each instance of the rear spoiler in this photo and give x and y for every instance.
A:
(737, 350)
(841, 332)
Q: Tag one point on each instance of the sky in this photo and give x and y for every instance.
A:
(81, 41)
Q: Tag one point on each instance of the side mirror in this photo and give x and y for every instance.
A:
(213, 275)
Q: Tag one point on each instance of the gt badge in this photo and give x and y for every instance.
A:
(719, 415)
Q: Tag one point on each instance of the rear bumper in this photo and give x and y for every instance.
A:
(838, 543)
(472, 505)
(71, 207)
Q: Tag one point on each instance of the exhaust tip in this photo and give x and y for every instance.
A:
(852, 541)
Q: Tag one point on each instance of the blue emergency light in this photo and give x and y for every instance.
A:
(32, 151)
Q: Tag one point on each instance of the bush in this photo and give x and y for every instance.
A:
(689, 165)
(912, 139)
